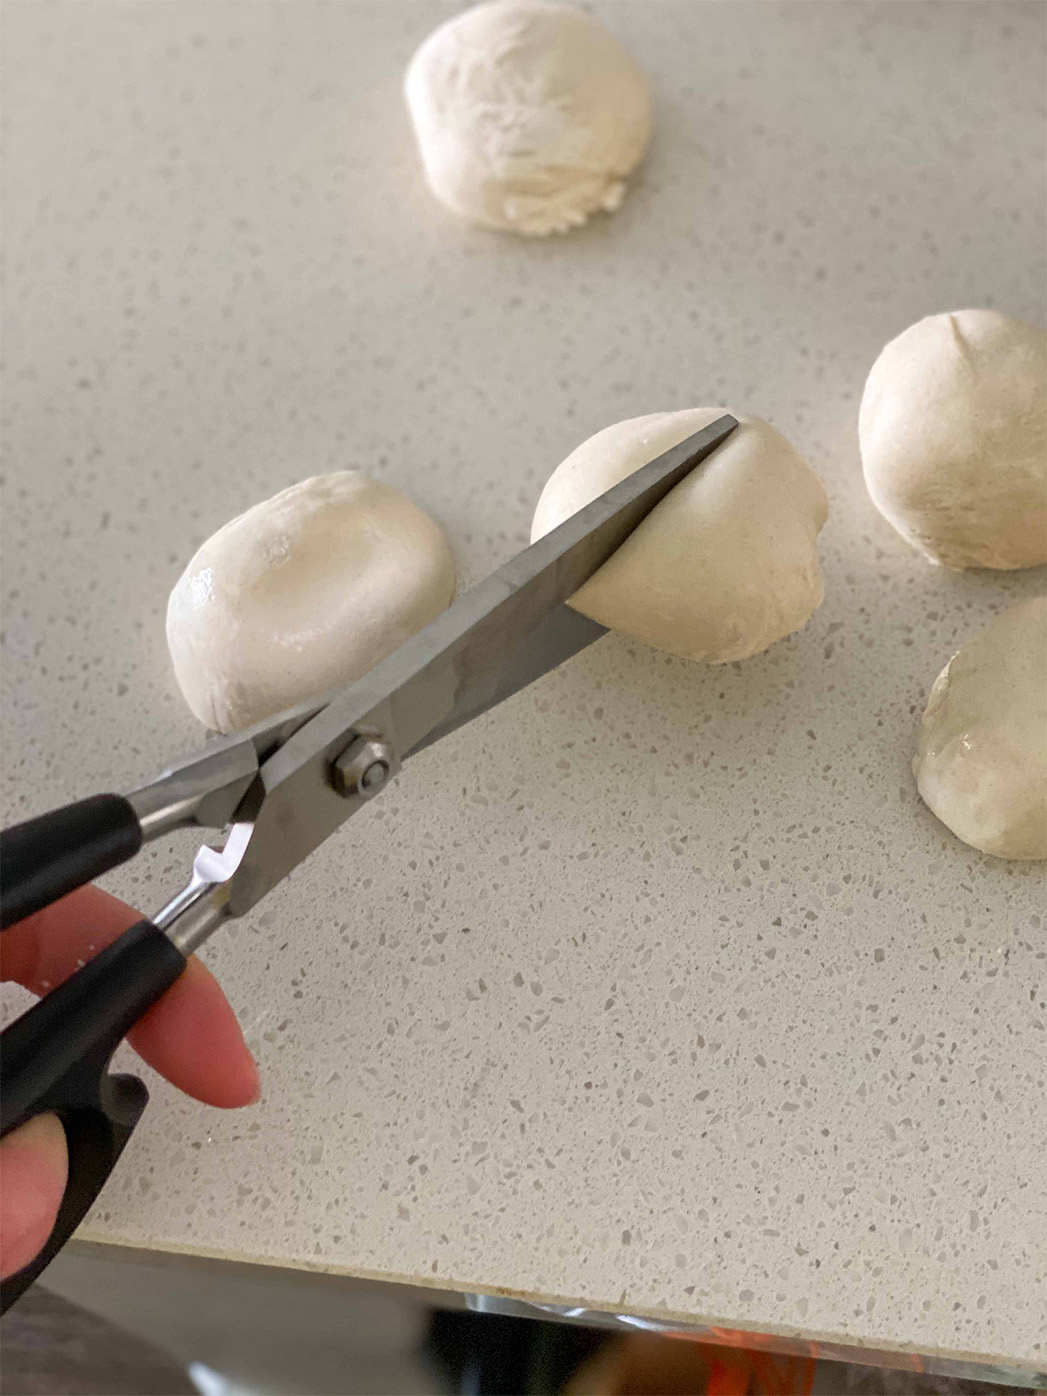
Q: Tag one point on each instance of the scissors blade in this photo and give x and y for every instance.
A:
(556, 636)
(498, 637)
(207, 787)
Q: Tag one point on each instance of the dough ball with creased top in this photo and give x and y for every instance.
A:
(304, 591)
(982, 759)
(727, 563)
(529, 115)
(953, 433)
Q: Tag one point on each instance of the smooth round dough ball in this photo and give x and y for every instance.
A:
(304, 591)
(982, 759)
(528, 115)
(726, 564)
(953, 433)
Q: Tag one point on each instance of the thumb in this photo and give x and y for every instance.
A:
(33, 1169)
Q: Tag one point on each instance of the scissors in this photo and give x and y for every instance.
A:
(278, 790)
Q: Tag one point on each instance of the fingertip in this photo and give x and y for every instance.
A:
(192, 1037)
(34, 1167)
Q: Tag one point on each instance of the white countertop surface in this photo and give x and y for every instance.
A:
(658, 989)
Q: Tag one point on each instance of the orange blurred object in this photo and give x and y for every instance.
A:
(650, 1364)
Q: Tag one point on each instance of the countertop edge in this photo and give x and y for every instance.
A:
(815, 1342)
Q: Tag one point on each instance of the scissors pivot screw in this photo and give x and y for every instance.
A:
(363, 767)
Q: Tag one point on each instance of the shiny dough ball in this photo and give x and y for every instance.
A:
(982, 759)
(953, 432)
(304, 591)
(726, 564)
(528, 115)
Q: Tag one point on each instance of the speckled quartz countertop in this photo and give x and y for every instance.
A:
(657, 989)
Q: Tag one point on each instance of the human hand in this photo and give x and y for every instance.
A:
(190, 1035)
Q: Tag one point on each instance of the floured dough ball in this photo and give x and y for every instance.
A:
(982, 759)
(528, 115)
(726, 564)
(304, 591)
(953, 432)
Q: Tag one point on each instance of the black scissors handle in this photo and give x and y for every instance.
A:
(44, 858)
(56, 1056)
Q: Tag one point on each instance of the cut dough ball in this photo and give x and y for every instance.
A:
(726, 564)
(305, 591)
(953, 432)
(528, 115)
(982, 760)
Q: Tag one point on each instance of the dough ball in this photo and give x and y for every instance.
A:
(528, 115)
(306, 590)
(726, 564)
(953, 431)
(982, 760)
